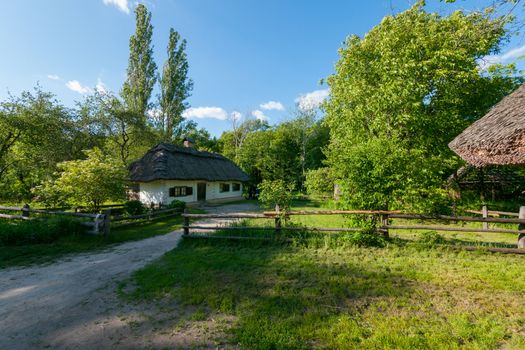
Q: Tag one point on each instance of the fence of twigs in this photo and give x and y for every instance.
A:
(97, 223)
(384, 217)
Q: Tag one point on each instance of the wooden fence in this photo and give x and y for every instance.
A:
(97, 223)
(382, 217)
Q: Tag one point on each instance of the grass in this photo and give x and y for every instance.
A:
(410, 294)
(402, 297)
(74, 244)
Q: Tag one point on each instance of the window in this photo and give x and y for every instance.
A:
(223, 187)
(236, 187)
(180, 191)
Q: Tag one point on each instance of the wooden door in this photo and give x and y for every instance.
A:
(201, 191)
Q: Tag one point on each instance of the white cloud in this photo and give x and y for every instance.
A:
(512, 54)
(235, 116)
(272, 105)
(77, 87)
(205, 112)
(259, 115)
(122, 5)
(53, 77)
(312, 99)
(101, 87)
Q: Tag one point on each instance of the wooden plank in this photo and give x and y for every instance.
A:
(16, 217)
(450, 229)
(492, 212)
(238, 238)
(147, 215)
(65, 213)
(228, 216)
(521, 237)
(336, 212)
(494, 249)
(11, 208)
(238, 228)
(457, 218)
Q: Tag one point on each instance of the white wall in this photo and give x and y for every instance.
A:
(158, 191)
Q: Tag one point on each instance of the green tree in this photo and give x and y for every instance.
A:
(400, 94)
(276, 192)
(175, 87)
(320, 182)
(36, 132)
(88, 182)
(125, 132)
(141, 76)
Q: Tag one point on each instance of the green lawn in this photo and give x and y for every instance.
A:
(45, 253)
(406, 295)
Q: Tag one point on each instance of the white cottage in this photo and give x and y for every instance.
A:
(167, 172)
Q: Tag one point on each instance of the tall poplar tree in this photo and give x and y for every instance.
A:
(141, 69)
(175, 86)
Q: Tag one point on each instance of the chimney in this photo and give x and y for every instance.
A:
(188, 142)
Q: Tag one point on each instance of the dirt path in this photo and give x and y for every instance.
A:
(72, 304)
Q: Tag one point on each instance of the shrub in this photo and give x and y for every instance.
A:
(134, 207)
(38, 231)
(176, 204)
(431, 238)
(365, 238)
(276, 192)
(320, 182)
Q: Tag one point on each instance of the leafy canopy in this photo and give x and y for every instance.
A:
(89, 182)
(400, 94)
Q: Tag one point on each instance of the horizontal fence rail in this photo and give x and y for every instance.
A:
(384, 218)
(97, 223)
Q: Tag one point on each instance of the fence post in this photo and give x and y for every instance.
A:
(384, 223)
(107, 221)
(25, 210)
(186, 222)
(485, 213)
(277, 220)
(521, 237)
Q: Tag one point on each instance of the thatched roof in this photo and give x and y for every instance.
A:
(170, 162)
(499, 137)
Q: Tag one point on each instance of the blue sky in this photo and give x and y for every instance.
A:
(258, 58)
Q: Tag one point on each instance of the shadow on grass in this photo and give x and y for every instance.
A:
(282, 295)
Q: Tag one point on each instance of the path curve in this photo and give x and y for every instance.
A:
(40, 304)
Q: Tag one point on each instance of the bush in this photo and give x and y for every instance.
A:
(134, 207)
(176, 204)
(431, 238)
(276, 192)
(320, 182)
(38, 231)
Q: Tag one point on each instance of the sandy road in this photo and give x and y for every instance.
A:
(71, 304)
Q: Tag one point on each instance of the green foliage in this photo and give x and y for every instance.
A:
(36, 132)
(320, 182)
(276, 192)
(176, 204)
(141, 76)
(38, 231)
(175, 87)
(134, 207)
(399, 95)
(284, 152)
(431, 238)
(89, 182)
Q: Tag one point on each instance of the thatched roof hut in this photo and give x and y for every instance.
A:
(499, 137)
(170, 162)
